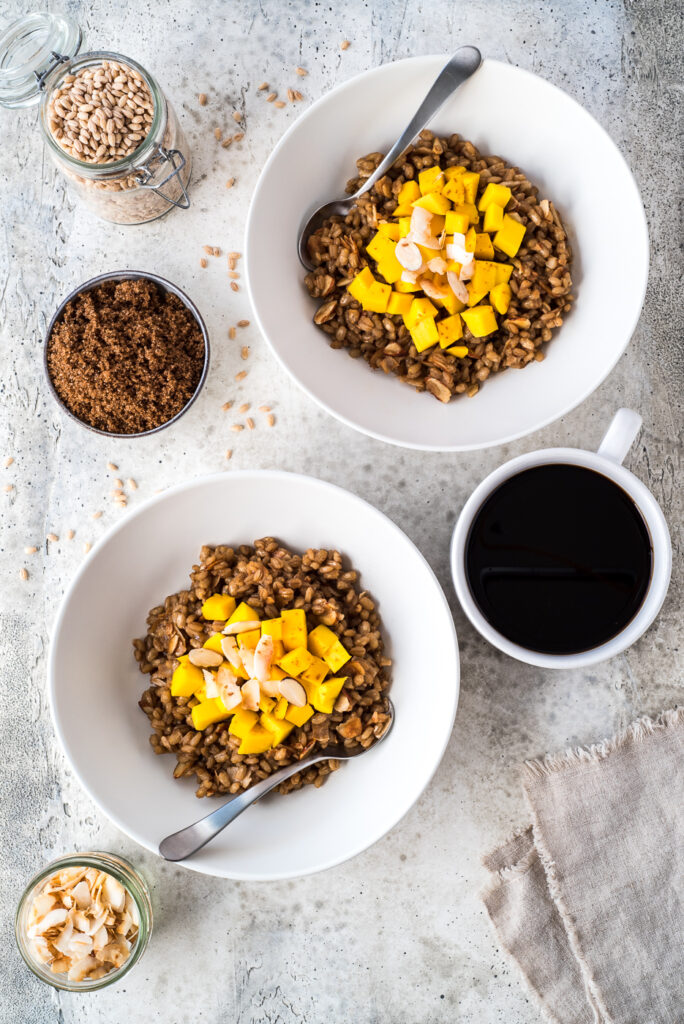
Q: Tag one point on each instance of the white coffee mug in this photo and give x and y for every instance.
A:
(607, 461)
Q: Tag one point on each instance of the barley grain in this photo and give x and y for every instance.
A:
(202, 99)
(23, 574)
(301, 72)
(243, 323)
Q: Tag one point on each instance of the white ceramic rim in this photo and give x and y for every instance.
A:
(640, 228)
(660, 543)
(449, 716)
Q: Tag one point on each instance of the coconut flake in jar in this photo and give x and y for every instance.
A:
(82, 923)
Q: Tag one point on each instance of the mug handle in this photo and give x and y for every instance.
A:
(619, 437)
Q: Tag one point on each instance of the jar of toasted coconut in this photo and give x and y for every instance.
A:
(84, 921)
(107, 124)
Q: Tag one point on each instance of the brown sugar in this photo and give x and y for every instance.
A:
(126, 356)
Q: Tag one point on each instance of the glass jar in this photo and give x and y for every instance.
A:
(38, 54)
(123, 872)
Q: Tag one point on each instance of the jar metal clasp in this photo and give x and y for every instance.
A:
(146, 173)
(42, 76)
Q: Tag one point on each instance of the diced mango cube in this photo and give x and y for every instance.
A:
(320, 640)
(493, 218)
(277, 727)
(453, 172)
(294, 628)
(249, 639)
(470, 240)
(456, 223)
(501, 297)
(242, 722)
(380, 246)
(296, 661)
(337, 656)
(420, 309)
(509, 236)
(452, 304)
(280, 708)
(469, 210)
(454, 190)
(431, 180)
(377, 297)
(471, 179)
(257, 741)
(404, 210)
(358, 288)
(484, 250)
(503, 272)
(218, 607)
(266, 703)
(449, 330)
(327, 693)
(494, 193)
(391, 269)
(272, 627)
(214, 643)
(424, 334)
(408, 192)
(460, 351)
(480, 321)
(298, 716)
(404, 226)
(207, 712)
(399, 304)
(244, 613)
(484, 276)
(277, 673)
(474, 296)
(315, 672)
(390, 229)
(185, 680)
(405, 287)
(435, 202)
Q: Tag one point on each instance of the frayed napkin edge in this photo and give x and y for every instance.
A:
(573, 757)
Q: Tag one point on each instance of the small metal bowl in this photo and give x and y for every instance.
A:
(128, 275)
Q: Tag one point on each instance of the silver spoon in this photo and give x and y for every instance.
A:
(462, 65)
(191, 839)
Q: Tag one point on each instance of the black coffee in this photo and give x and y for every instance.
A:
(558, 559)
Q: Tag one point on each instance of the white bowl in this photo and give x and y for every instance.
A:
(95, 683)
(503, 110)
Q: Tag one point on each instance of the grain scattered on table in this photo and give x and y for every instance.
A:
(230, 182)
(98, 514)
(23, 574)
(53, 538)
(241, 375)
(8, 461)
(235, 286)
(202, 98)
(271, 97)
(301, 72)
(132, 484)
(264, 85)
(345, 44)
(30, 550)
(243, 323)
(244, 352)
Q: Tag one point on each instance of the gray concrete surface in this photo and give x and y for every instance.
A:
(396, 936)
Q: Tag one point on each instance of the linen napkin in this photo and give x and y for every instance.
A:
(589, 899)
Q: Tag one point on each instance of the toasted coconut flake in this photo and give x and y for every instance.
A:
(251, 693)
(433, 289)
(230, 650)
(81, 895)
(241, 627)
(51, 919)
(437, 265)
(263, 656)
(247, 656)
(408, 254)
(457, 286)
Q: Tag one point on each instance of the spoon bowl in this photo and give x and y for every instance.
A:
(455, 72)
(189, 840)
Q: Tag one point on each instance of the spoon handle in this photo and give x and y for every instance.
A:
(460, 67)
(183, 844)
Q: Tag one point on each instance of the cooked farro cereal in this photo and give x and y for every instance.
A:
(491, 284)
(219, 699)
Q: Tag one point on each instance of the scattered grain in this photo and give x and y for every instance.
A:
(264, 408)
(23, 574)
(9, 487)
(231, 333)
(52, 537)
(270, 419)
(86, 547)
(202, 99)
(279, 104)
(233, 275)
(226, 406)
(118, 483)
(217, 134)
(250, 423)
(237, 427)
(9, 461)
(345, 44)
(30, 551)
(98, 514)
(230, 182)
(237, 116)
(238, 136)
(301, 72)
(235, 286)
(243, 323)
(264, 85)
(70, 534)
(290, 95)
(227, 142)
(229, 453)
(297, 96)
(132, 484)
(112, 466)
(244, 407)
(244, 352)
(203, 263)
(234, 255)
(271, 96)
(241, 375)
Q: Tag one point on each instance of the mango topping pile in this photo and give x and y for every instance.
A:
(434, 247)
(267, 676)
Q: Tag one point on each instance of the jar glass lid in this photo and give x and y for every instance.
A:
(29, 48)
